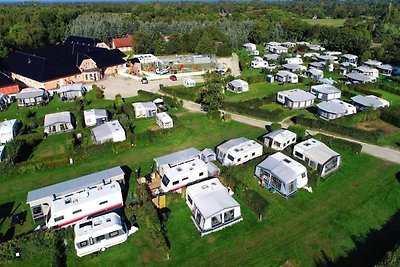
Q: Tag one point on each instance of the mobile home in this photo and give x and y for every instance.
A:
(164, 120)
(369, 101)
(32, 97)
(95, 117)
(68, 209)
(238, 151)
(279, 139)
(8, 130)
(41, 199)
(282, 173)
(335, 108)
(325, 92)
(145, 109)
(295, 98)
(213, 208)
(99, 233)
(318, 156)
(72, 91)
(58, 122)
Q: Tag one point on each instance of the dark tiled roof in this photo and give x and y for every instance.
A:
(118, 52)
(53, 62)
(81, 41)
(5, 80)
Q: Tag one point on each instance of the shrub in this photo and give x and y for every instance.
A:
(214, 115)
(252, 108)
(98, 93)
(390, 89)
(337, 143)
(299, 131)
(223, 50)
(359, 134)
(391, 115)
(363, 90)
(255, 79)
(275, 126)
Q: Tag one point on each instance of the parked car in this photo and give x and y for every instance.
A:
(173, 78)
(144, 80)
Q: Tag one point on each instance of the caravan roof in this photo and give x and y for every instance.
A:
(177, 157)
(316, 150)
(60, 117)
(211, 197)
(72, 87)
(297, 95)
(370, 101)
(75, 184)
(325, 89)
(97, 224)
(106, 130)
(281, 135)
(7, 126)
(335, 106)
(284, 167)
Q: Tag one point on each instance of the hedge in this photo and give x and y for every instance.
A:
(368, 115)
(337, 143)
(363, 90)
(169, 101)
(390, 89)
(252, 108)
(391, 115)
(359, 134)
(255, 79)
(299, 131)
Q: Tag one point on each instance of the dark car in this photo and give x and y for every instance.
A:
(173, 78)
(144, 80)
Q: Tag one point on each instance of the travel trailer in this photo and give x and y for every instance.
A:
(69, 209)
(99, 233)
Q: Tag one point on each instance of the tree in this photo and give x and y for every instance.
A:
(211, 95)
(205, 45)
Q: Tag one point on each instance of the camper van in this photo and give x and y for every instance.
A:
(99, 233)
(70, 208)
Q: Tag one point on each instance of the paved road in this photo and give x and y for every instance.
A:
(385, 153)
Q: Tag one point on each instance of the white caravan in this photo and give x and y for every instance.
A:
(71, 208)
(99, 233)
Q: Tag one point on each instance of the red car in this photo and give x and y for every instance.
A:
(173, 78)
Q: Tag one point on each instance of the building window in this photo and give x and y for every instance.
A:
(216, 220)
(201, 174)
(228, 216)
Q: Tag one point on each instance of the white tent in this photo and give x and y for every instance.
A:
(189, 82)
(8, 130)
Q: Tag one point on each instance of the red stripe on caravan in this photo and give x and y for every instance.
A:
(90, 214)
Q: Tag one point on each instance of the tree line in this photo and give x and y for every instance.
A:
(371, 28)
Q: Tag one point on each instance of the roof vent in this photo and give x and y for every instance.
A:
(204, 186)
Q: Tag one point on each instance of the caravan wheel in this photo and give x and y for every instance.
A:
(103, 249)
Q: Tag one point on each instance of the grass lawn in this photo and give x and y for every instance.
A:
(286, 111)
(326, 22)
(260, 90)
(295, 229)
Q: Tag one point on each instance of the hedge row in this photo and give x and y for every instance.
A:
(299, 131)
(169, 101)
(363, 90)
(390, 89)
(255, 79)
(336, 143)
(368, 115)
(252, 108)
(183, 92)
(391, 115)
(363, 135)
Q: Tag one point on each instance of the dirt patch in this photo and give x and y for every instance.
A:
(378, 125)
(154, 128)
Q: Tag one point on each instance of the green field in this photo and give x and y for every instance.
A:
(294, 229)
(326, 22)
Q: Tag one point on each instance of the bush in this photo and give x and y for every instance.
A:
(223, 50)
(337, 143)
(255, 79)
(214, 115)
(363, 135)
(363, 90)
(391, 115)
(299, 131)
(275, 126)
(98, 93)
(390, 89)
(252, 108)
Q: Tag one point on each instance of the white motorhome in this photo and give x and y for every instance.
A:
(99, 233)
(8, 130)
(71, 208)
(237, 151)
(212, 206)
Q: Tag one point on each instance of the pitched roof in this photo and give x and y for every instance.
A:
(123, 42)
(82, 40)
(58, 61)
(31, 93)
(325, 89)
(7, 85)
(60, 117)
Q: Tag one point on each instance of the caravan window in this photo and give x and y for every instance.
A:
(230, 157)
(99, 238)
(165, 180)
(59, 218)
(103, 202)
(201, 174)
(190, 199)
(216, 220)
(298, 154)
(83, 244)
(114, 233)
(175, 183)
(228, 216)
